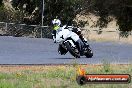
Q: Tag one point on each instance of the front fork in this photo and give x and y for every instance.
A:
(71, 42)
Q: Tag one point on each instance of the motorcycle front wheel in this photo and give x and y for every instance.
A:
(73, 51)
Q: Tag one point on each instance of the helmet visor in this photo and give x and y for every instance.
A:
(55, 27)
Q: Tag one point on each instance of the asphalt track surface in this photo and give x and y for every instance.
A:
(20, 50)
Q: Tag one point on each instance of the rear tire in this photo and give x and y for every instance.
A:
(73, 51)
(89, 53)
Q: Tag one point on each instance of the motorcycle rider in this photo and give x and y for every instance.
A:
(57, 27)
(74, 28)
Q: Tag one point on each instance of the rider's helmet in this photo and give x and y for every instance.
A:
(56, 24)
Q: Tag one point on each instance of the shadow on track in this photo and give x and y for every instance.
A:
(71, 58)
(64, 58)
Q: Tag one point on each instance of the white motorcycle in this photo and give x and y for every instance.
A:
(66, 40)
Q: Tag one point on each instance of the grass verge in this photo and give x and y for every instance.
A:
(59, 76)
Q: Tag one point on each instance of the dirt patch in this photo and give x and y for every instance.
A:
(34, 68)
(44, 68)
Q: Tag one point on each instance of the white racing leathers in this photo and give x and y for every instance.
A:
(62, 34)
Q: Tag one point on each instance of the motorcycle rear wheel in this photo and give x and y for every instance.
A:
(89, 53)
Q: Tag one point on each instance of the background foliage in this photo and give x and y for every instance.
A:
(66, 10)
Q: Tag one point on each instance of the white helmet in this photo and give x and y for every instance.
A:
(56, 22)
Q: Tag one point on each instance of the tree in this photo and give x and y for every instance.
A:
(66, 10)
(120, 9)
(3, 13)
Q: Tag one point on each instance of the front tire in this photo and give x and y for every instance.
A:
(62, 50)
(72, 50)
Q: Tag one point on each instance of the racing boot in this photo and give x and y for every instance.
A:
(84, 40)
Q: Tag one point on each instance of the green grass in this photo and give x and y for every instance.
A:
(59, 76)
